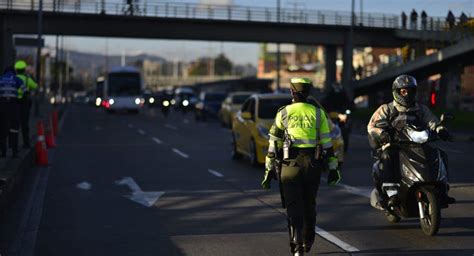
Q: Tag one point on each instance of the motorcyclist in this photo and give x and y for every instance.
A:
(395, 115)
(337, 99)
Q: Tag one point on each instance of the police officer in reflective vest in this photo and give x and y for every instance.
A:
(11, 88)
(25, 101)
(300, 148)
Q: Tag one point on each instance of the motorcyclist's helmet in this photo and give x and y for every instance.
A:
(337, 87)
(404, 90)
(301, 86)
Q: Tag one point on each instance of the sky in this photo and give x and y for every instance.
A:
(243, 53)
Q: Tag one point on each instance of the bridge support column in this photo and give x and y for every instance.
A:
(450, 88)
(7, 50)
(347, 66)
(330, 63)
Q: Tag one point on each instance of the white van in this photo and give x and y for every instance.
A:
(123, 90)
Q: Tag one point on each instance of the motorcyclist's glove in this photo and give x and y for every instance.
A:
(443, 133)
(385, 137)
(334, 176)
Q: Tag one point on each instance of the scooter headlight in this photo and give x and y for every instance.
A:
(409, 174)
(151, 100)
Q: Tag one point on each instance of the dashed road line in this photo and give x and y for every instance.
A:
(177, 151)
(215, 173)
(336, 241)
(142, 132)
(130, 125)
(169, 126)
(158, 141)
(360, 191)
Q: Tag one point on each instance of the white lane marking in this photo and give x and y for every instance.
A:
(215, 173)
(177, 151)
(98, 128)
(338, 242)
(130, 125)
(169, 126)
(186, 121)
(147, 199)
(142, 132)
(158, 141)
(360, 191)
(84, 185)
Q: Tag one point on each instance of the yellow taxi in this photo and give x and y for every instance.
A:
(231, 105)
(250, 127)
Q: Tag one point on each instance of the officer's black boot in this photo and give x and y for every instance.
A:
(296, 243)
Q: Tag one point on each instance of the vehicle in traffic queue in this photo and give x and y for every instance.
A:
(184, 99)
(251, 125)
(123, 88)
(208, 105)
(231, 105)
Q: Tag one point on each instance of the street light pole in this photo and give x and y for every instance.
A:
(38, 54)
(278, 60)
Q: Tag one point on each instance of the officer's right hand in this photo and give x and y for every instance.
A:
(385, 137)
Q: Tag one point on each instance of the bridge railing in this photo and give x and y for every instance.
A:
(222, 12)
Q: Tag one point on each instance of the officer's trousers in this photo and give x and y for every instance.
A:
(10, 122)
(300, 180)
(25, 108)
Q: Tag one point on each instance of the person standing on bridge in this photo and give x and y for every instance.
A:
(11, 88)
(299, 149)
(450, 19)
(404, 20)
(25, 101)
(424, 20)
(413, 19)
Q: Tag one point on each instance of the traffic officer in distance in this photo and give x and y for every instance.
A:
(25, 101)
(402, 110)
(300, 148)
(11, 87)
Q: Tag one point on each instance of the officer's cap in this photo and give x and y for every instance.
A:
(21, 64)
(300, 84)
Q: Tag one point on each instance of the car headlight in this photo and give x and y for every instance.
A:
(263, 132)
(173, 101)
(98, 101)
(348, 111)
(137, 101)
(166, 103)
(185, 103)
(151, 100)
(111, 101)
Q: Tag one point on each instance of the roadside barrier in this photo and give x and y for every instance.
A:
(40, 147)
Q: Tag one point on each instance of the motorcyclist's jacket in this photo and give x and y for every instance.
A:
(301, 123)
(397, 117)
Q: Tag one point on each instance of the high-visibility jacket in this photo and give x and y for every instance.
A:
(10, 86)
(30, 84)
(305, 124)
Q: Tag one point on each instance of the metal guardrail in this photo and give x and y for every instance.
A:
(223, 12)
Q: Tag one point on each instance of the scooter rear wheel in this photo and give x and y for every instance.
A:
(430, 206)
(392, 218)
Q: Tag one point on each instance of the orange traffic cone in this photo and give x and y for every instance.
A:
(50, 142)
(55, 123)
(40, 148)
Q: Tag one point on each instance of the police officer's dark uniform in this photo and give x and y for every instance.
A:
(10, 90)
(301, 137)
(25, 101)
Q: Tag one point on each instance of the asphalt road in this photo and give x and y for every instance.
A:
(126, 184)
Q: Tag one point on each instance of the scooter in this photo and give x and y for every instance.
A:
(424, 179)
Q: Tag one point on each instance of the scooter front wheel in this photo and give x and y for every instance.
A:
(430, 212)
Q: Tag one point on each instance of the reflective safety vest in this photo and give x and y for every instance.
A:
(10, 86)
(305, 124)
